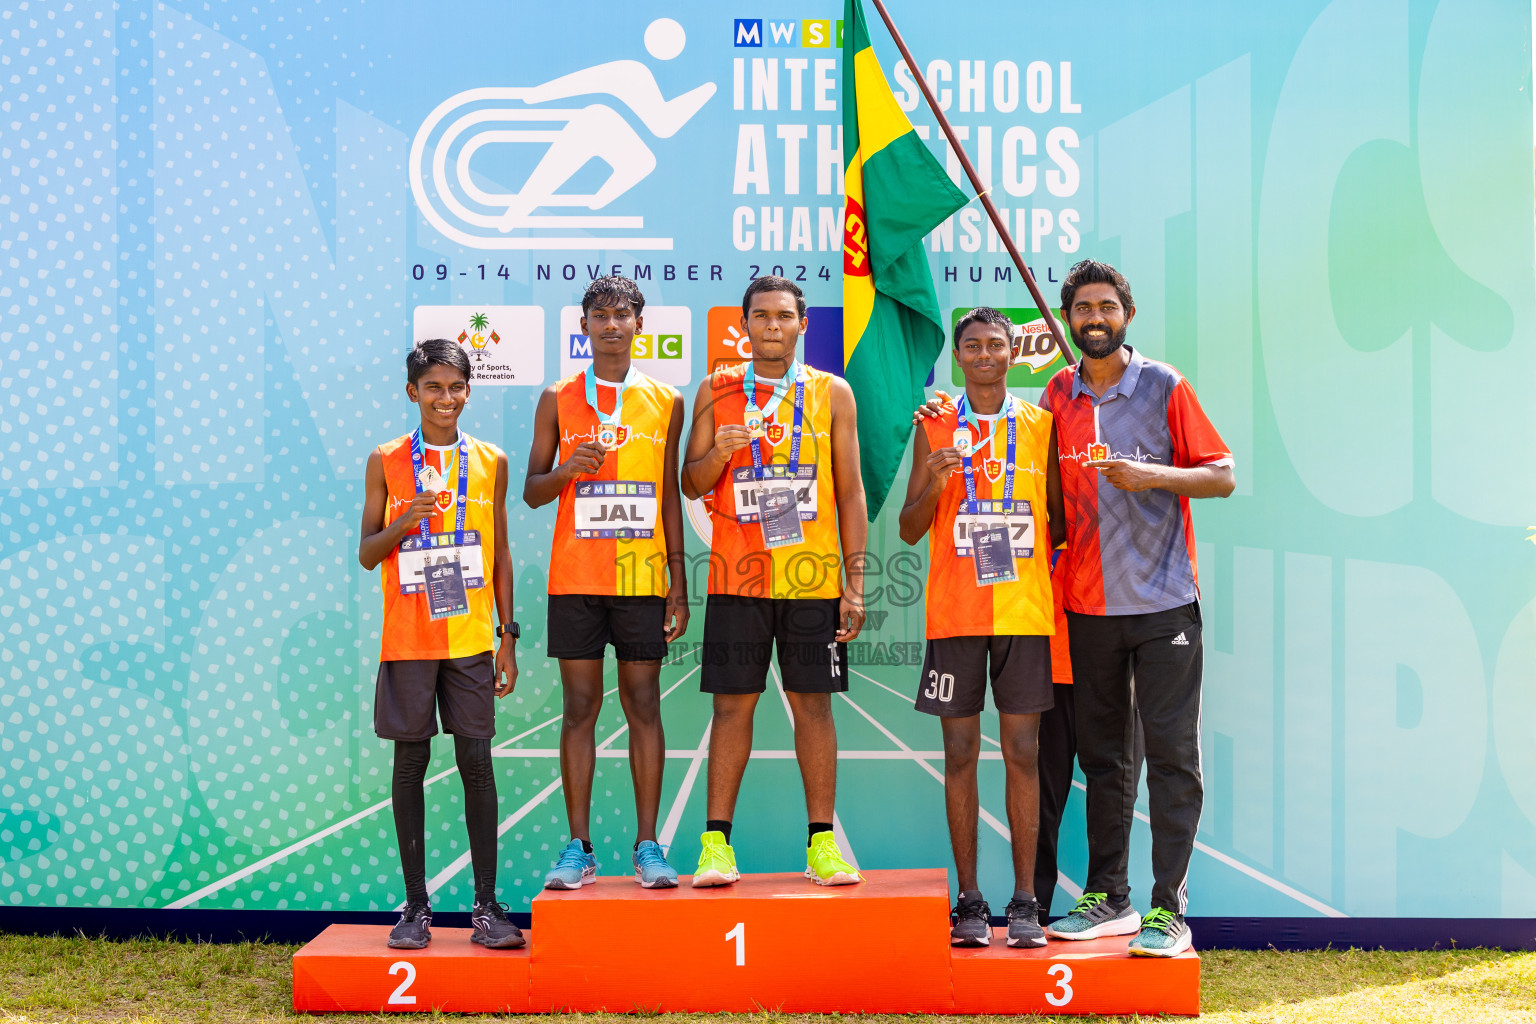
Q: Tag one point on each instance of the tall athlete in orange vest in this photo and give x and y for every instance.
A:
(618, 539)
(435, 517)
(984, 489)
(775, 443)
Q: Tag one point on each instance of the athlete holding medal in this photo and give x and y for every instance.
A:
(435, 518)
(774, 445)
(616, 566)
(984, 490)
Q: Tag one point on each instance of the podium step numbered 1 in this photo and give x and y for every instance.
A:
(772, 942)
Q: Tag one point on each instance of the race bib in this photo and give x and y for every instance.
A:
(615, 508)
(1020, 525)
(746, 490)
(416, 556)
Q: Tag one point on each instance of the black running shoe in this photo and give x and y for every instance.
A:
(1024, 924)
(415, 928)
(972, 920)
(492, 929)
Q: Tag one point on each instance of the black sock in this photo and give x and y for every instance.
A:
(479, 775)
(409, 802)
(816, 826)
(586, 845)
(723, 827)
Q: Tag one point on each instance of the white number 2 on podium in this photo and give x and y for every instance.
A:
(739, 933)
(398, 996)
(1063, 975)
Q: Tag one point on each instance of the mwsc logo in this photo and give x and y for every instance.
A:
(814, 33)
(471, 209)
(662, 351)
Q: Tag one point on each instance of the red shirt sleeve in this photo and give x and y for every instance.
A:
(1195, 441)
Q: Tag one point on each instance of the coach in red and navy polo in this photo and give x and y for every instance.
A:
(1134, 448)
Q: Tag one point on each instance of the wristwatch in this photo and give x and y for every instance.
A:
(512, 630)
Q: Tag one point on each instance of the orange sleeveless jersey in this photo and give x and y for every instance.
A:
(957, 606)
(739, 563)
(613, 566)
(410, 632)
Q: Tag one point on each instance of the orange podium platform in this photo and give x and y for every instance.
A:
(763, 943)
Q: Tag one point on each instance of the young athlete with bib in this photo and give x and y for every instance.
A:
(616, 567)
(774, 444)
(983, 488)
(435, 517)
(1135, 447)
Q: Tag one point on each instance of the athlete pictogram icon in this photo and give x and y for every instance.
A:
(470, 208)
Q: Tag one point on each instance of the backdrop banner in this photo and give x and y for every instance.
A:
(223, 225)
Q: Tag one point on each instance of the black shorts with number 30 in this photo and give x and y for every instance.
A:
(956, 670)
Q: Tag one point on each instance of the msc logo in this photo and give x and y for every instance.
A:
(815, 33)
(662, 352)
(645, 346)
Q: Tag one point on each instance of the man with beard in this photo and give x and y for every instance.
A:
(1135, 446)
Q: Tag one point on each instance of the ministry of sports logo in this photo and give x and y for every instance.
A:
(505, 344)
(470, 208)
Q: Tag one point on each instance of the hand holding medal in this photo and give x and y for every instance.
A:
(587, 458)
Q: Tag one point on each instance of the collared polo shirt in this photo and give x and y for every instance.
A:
(1129, 553)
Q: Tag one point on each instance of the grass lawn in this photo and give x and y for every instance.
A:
(66, 979)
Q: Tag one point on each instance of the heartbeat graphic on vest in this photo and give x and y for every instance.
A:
(1081, 455)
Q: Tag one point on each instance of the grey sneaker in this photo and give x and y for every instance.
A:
(651, 868)
(972, 920)
(414, 929)
(1163, 933)
(492, 929)
(1094, 917)
(1024, 924)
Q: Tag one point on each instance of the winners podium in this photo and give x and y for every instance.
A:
(769, 942)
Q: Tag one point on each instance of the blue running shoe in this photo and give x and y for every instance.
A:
(575, 868)
(651, 868)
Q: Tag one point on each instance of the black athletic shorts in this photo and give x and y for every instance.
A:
(460, 690)
(956, 670)
(740, 633)
(581, 626)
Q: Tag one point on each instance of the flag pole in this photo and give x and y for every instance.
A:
(986, 199)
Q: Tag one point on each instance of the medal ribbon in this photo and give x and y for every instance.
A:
(631, 379)
(972, 506)
(749, 384)
(418, 463)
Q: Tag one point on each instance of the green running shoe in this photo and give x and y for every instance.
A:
(1094, 917)
(824, 863)
(717, 862)
(1163, 933)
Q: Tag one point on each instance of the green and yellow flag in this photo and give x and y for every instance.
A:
(896, 194)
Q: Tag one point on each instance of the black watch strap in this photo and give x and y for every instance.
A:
(511, 629)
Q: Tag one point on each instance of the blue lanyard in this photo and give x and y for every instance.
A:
(749, 384)
(972, 506)
(631, 379)
(418, 464)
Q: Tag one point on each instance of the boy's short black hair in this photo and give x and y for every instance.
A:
(610, 292)
(769, 283)
(435, 352)
(1094, 272)
(984, 315)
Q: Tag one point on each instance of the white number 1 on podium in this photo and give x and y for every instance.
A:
(739, 933)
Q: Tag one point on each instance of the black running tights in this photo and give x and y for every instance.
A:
(480, 809)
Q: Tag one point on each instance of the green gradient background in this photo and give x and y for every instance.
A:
(1325, 212)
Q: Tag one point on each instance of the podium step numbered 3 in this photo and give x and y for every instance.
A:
(774, 942)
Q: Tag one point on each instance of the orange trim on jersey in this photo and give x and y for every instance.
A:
(739, 563)
(612, 566)
(410, 633)
(957, 606)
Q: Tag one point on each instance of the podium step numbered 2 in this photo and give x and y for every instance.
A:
(774, 942)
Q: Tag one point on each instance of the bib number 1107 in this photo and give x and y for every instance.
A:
(739, 933)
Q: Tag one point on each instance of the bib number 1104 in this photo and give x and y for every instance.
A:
(739, 933)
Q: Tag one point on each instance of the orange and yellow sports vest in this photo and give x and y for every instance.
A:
(604, 557)
(410, 633)
(739, 563)
(956, 605)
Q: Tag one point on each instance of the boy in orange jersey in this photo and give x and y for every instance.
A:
(984, 489)
(435, 517)
(618, 539)
(775, 443)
